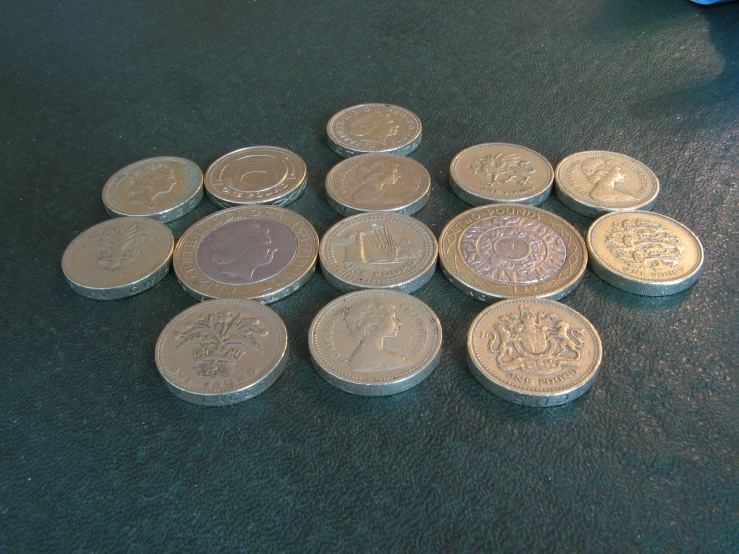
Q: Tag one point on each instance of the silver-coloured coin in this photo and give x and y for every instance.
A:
(222, 352)
(368, 128)
(497, 172)
(118, 258)
(260, 253)
(598, 182)
(256, 175)
(378, 250)
(378, 182)
(644, 253)
(510, 251)
(534, 351)
(165, 188)
(375, 342)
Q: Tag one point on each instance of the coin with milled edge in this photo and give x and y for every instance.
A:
(222, 352)
(644, 253)
(534, 351)
(512, 250)
(497, 172)
(378, 250)
(256, 175)
(378, 182)
(260, 253)
(164, 188)
(370, 128)
(375, 342)
(598, 182)
(118, 258)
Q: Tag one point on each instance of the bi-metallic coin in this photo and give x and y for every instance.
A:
(256, 175)
(497, 172)
(260, 253)
(370, 128)
(597, 182)
(378, 182)
(534, 351)
(644, 253)
(165, 188)
(512, 250)
(378, 250)
(222, 352)
(118, 258)
(375, 342)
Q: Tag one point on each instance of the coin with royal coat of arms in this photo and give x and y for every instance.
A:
(256, 175)
(375, 342)
(644, 253)
(222, 352)
(118, 258)
(497, 172)
(369, 128)
(378, 250)
(164, 188)
(261, 253)
(534, 351)
(512, 250)
(378, 182)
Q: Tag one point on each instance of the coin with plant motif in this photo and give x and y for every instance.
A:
(118, 258)
(534, 351)
(644, 253)
(512, 250)
(256, 175)
(165, 188)
(222, 352)
(375, 342)
(370, 128)
(497, 172)
(260, 253)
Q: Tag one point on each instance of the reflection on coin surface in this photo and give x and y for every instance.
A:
(534, 351)
(164, 188)
(370, 128)
(512, 250)
(222, 352)
(375, 342)
(256, 175)
(597, 182)
(118, 258)
(378, 250)
(497, 172)
(378, 182)
(644, 253)
(261, 253)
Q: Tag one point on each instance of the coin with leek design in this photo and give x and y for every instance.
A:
(534, 351)
(644, 253)
(512, 250)
(378, 182)
(222, 352)
(164, 188)
(260, 253)
(378, 250)
(256, 175)
(367, 128)
(118, 258)
(375, 342)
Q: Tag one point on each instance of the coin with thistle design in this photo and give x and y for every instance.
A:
(222, 352)
(118, 258)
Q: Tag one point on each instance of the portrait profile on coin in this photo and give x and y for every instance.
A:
(370, 323)
(374, 180)
(149, 182)
(374, 126)
(605, 175)
(255, 172)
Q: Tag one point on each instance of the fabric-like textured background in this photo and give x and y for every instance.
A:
(96, 455)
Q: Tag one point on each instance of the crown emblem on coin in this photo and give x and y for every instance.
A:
(644, 244)
(536, 343)
(219, 340)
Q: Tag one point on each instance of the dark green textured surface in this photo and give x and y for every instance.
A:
(96, 455)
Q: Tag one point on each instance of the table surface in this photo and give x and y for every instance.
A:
(97, 455)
